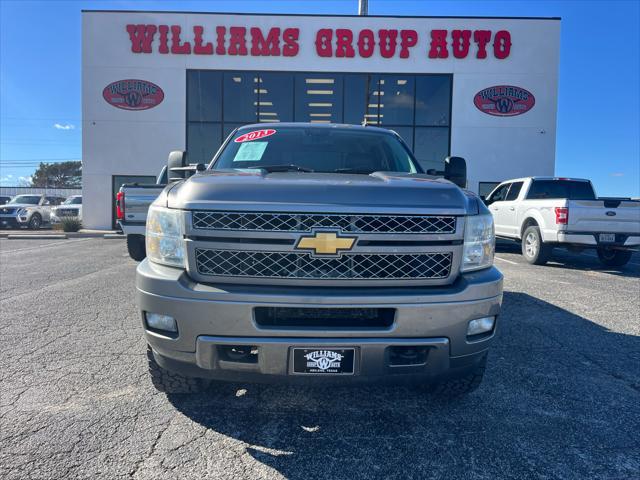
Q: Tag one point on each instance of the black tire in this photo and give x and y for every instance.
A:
(534, 250)
(614, 258)
(35, 222)
(457, 387)
(136, 247)
(170, 382)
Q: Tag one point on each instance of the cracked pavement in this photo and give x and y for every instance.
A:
(560, 399)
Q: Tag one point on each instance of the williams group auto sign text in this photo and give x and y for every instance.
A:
(328, 42)
(504, 100)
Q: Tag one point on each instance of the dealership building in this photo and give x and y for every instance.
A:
(481, 88)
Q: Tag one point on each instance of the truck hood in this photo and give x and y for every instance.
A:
(382, 192)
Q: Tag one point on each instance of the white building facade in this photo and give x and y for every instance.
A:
(481, 88)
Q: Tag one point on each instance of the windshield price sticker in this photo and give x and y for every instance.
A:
(255, 135)
(250, 152)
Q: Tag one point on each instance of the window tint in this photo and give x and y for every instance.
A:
(514, 191)
(318, 98)
(500, 194)
(73, 201)
(204, 97)
(485, 188)
(431, 146)
(241, 95)
(26, 199)
(394, 99)
(433, 94)
(320, 150)
(571, 190)
(275, 97)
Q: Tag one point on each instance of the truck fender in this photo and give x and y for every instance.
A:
(531, 216)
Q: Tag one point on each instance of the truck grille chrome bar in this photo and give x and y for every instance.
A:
(304, 222)
(264, 264)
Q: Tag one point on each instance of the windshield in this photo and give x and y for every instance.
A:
(26, 199)
(73, 201)
(317, 150)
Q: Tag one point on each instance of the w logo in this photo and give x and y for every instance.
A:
(133, 98)
(504, 105)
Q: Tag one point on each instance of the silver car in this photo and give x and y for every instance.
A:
(30, 210)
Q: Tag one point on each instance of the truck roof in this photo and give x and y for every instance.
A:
(546, 178)
(335, 126)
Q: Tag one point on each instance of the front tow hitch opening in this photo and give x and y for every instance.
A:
(407, 355)
(238, 353)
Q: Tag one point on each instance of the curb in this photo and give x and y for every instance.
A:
(37, 237)
(114, 236)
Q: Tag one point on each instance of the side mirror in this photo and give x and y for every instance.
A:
(176, 161)
(200, 167)
(455, 170)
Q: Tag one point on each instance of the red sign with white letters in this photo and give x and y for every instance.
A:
(329, 42)
(255, 135)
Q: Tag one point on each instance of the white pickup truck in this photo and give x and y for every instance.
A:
(547, 212)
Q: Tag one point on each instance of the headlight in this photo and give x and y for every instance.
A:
(479, 243)
(164, 236)
(21, 211)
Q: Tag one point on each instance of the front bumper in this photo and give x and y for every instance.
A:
(591, 239)
(210, 317)
(13, 221)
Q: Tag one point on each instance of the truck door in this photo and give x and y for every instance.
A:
(496, 205)
(509, 210)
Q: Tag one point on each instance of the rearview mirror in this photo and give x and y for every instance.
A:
(455, 170)
(176, 161)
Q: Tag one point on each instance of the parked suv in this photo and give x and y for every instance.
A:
(30, 210)
(544, 213)
(310, 252)
(71, 207)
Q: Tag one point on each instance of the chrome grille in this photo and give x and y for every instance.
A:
(263, 264)
(305, 222)
(67, 212)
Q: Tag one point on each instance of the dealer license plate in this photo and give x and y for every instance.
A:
(324, 361)
(607, 237)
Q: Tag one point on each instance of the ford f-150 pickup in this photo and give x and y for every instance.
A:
(318, 253)
(545, 212)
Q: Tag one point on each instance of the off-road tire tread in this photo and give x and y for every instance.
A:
(169, 382)
(136, 248)
(458, 387)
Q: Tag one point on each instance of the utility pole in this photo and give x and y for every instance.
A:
(363, 7)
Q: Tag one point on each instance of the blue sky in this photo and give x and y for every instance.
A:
(599, 92)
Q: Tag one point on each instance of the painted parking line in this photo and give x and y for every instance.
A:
(40, 247)
(505, 260)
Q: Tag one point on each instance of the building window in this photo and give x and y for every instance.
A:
(417, 107)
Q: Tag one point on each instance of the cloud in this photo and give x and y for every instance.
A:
(617, 174)
(65, 126)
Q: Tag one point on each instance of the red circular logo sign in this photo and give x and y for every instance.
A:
(255, 135)
(504, 101)
(133, 94)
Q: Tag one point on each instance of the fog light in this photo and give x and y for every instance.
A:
(480, 325)
(161, 322)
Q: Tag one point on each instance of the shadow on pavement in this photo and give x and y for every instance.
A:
(562, 258)
(560, 400)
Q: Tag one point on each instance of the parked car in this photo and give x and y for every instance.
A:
(30, 210)
(4, 199)
(71, 207)
(545, 212)
(307, 251)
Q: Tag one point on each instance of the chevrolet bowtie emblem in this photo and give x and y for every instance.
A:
(325, 243)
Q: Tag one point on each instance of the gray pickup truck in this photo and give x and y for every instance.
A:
(318, 253)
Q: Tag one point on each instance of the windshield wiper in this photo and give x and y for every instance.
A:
(284, 168)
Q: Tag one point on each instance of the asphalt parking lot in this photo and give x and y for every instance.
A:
(561, 397)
